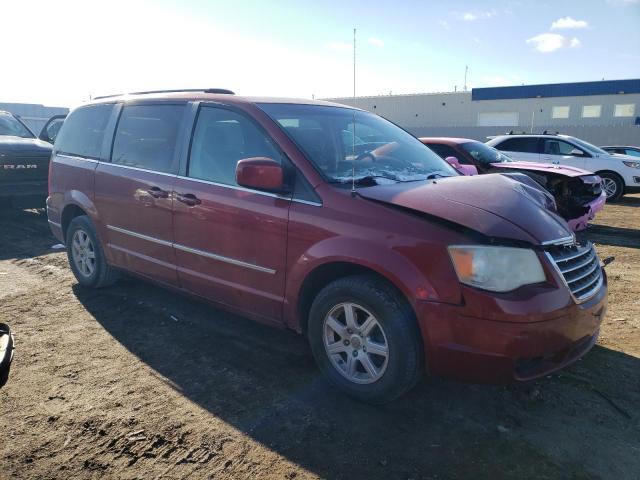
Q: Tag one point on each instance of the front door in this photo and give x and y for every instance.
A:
(133, 193)
(230, 242)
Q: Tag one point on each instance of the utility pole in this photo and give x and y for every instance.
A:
(354, 63)
(466, 69)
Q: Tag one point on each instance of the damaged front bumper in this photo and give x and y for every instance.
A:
(580, 223)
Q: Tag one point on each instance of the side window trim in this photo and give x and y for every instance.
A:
(110, 133)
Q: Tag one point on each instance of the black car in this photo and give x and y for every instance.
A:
(623, 150)
(24, 161)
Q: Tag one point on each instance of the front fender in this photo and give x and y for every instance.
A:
(397, 264)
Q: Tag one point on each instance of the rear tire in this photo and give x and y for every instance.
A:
(372, 334)
(612, 182)
(85, 254)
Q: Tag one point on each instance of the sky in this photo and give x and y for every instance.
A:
(65, 52)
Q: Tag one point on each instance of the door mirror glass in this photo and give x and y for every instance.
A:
(260, 173)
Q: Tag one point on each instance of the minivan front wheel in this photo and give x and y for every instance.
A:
(85, 255)
(365, 339)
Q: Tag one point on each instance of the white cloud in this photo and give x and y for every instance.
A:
(568, 22)
(376, 42)
(474, 15)
(550, 42)
(444, 24)
(340, 46)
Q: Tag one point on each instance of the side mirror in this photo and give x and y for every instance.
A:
(260, 173)
(466, 170)
(453, 161)
(44, 136)
(576, 153)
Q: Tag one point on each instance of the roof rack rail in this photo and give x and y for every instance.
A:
(546, 132)
(223, 91)
(511, 132)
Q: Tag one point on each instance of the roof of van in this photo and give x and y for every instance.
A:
(446, 140)
(203, 96)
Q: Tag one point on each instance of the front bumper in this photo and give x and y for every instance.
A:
(580, 223)
(503, 338)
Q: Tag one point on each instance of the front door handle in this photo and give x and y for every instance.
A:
(157, 192)
(188, 199)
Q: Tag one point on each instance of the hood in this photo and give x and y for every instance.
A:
(18, 146)
(565, 170)
(494, 205)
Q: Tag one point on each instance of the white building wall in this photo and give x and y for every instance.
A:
(455, 114)
(33, 115)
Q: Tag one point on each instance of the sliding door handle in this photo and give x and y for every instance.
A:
(157, 192)
(188, 199)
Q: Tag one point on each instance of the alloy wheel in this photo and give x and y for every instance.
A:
(610, 187)
(83, 253)
(355, 343)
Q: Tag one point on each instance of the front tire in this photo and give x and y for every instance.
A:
(613, 185)
(86, 258)
(365, 339)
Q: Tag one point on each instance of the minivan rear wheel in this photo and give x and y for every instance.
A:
(85, 255)
(365, 338)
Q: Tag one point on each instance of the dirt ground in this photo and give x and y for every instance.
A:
(135, 382)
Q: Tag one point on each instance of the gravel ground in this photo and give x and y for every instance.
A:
(135, 382)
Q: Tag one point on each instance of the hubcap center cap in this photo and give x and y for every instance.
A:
(356, 342)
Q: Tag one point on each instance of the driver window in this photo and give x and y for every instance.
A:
(221, 138)
(557, 147)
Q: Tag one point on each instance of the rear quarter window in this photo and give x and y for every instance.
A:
(82, 132)
(522, 144)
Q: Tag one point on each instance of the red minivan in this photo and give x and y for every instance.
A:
(330, 221)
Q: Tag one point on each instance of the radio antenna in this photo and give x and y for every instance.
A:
(353, 145)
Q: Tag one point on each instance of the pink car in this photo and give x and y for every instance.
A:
(578, 193)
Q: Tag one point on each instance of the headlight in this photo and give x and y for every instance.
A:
(631, 164)
(499, 269)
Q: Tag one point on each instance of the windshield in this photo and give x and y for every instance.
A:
(484, 153)
(587, 146)
(379, 151)
(9, 125)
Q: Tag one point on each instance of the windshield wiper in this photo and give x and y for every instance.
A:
(433, 175)
(367, 180)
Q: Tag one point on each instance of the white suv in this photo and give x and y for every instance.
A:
(620, 173)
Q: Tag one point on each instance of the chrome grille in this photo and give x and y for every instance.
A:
(580, 268)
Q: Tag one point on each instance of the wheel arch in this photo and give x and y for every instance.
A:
(324, 274)
(76, 203)
(611, 172)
